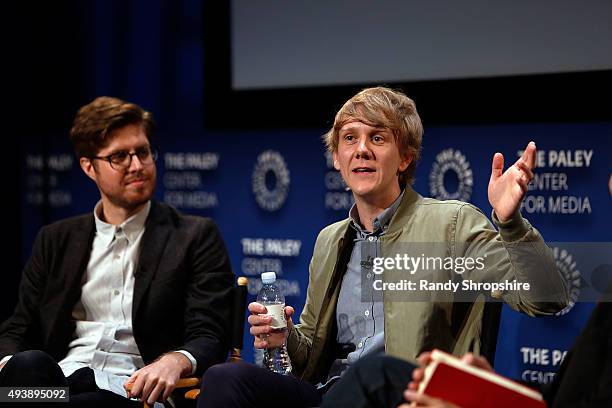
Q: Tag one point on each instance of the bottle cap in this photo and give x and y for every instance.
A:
(268, 277)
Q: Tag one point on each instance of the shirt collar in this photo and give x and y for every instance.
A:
(130, 228)
(381, 222)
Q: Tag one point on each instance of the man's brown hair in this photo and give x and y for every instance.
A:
(95, 122)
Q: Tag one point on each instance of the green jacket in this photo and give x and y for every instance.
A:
(459, 229)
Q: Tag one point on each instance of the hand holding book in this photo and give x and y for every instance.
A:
(422, 400)
(443, 380)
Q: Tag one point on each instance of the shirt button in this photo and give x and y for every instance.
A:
(360, 345)
(369, 275)
(116, 292)
(117, 256)
(367, 312)
(371, 238)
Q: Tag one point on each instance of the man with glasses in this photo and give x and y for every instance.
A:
(134, 294)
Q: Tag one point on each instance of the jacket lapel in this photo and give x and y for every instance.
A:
(157, 232)
(80, 245)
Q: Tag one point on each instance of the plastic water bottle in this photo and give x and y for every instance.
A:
(275, 359)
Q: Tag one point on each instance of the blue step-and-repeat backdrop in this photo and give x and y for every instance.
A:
(271, 193)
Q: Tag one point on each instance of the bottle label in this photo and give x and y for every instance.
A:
(277, 312)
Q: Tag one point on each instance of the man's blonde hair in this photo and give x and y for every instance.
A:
(388, 108)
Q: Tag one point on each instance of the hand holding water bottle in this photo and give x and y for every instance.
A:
(267, 326)
(265, 335)
(270, 324)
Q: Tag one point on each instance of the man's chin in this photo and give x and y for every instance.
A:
(136, 199)
(363, 191)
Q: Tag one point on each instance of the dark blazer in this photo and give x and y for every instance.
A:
(181, 292)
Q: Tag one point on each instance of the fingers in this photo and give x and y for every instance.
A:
(260, 329)
(288, 313)
(152, 397)
(425, 400)
(259, 320)
(413, 386)
(257, 308)
(260, 343)
(524, 169)
(154, 389)
(418, 398)
(418, 374)
(523, 182)
(147, 388)
(260, 325)
(129, 384)
(264, 336)
(156, 381)
(529, 155)
(168, 390)
(497, 166)
(137, 384)
(424, 358)
(524, 165)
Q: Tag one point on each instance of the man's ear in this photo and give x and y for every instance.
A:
(88, 168)
(405, 161)
(336, 163)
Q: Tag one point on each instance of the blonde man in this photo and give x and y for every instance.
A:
(375, 143)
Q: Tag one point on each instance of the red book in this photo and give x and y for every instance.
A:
(450, 379)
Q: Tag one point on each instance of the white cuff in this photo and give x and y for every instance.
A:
(193, 361)
(4, 360)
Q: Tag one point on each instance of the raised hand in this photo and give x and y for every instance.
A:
(507, 189)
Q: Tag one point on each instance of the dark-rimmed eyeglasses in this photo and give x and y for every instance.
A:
(122, 159)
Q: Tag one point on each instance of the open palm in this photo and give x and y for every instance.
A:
(507, 188)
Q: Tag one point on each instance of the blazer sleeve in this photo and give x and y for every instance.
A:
(207, 305)
(21, 331)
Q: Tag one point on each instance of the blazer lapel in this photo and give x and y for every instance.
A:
(79, 248)
(157, 232)
(80, 245)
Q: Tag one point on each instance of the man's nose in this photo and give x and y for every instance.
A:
(363, 149)
(135, 164)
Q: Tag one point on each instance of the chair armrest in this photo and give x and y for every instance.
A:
(192, 394)
(188, 382)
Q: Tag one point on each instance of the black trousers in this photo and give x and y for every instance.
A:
(244, 385)
(34, 368)
(374, 381)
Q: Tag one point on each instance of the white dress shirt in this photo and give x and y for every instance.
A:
(104, 338)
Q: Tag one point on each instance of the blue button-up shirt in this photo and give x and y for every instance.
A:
(360, 314)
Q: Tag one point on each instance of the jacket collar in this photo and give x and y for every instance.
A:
(405, 212)
(402, 217)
